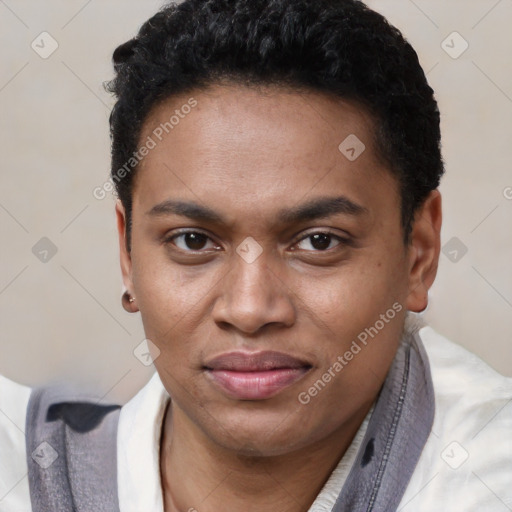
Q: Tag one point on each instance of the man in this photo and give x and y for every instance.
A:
(277, 165)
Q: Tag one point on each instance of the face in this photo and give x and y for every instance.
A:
(268, 264)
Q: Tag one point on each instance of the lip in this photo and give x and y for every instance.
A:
(255, 376)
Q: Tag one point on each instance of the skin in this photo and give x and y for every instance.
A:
(248, 153)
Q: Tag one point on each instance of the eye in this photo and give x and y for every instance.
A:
(195, 241)
(190, 241)
(321, 241)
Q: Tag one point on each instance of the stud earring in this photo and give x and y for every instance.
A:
(127, 300)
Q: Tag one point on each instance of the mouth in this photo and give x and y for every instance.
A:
(255, 376)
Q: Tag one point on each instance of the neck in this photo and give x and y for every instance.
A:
(199, 475)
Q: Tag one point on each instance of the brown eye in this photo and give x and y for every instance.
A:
(191, 241)
(320, 241)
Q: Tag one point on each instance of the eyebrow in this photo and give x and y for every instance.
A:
(318, 208)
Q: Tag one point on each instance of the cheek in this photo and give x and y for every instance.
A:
(359, 312)
(354, 295)
(173, 299)
(161, 297)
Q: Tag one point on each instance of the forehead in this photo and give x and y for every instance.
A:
(260, 148)
(239, 112)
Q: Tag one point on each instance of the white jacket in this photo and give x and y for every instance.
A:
(466, 464)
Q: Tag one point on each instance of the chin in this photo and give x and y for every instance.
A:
(262, 434)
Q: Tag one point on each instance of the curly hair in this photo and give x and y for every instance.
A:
(338, 47)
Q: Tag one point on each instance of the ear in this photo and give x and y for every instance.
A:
(424, 251)
(124, 255)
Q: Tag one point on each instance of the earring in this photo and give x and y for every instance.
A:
(127, 300)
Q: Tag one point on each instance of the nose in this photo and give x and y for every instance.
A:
(252, 296)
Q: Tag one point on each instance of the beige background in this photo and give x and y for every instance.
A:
(63, 320)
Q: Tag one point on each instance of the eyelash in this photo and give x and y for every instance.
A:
(342, 241)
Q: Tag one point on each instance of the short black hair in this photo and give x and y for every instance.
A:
(338, 47)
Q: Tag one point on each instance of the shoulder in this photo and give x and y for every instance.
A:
(71, 439)
(449, 358)
(14, 490)
(138, 447)
(466, 463)
(470, 395)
